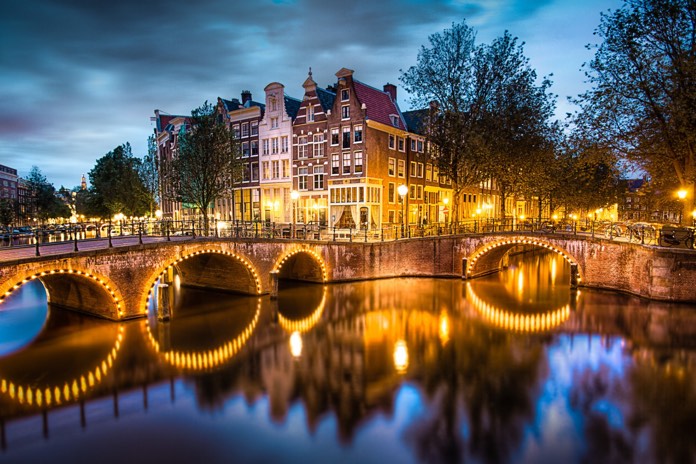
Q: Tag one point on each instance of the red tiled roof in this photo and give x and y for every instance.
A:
(379, 105)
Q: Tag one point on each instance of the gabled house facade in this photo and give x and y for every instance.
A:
(167, 130)
(309, 154)
(275, 157)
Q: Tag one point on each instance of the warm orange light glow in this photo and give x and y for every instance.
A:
(400, 356)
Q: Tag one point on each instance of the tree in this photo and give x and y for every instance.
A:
(149, 174)
(444, 79)
(42, 200)
(207, 163)
(489, 118)
(642, 102)
(7, 211)
(116, 186)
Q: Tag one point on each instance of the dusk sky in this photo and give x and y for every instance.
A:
(78, 78)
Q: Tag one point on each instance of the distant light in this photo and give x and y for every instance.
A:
(296, 344)
(400, 356)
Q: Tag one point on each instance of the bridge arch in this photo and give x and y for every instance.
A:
(306, 323)
(73, 288)
(210, 268)
(488, 257)
(301, 264)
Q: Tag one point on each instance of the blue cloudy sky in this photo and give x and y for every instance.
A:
(78, 77)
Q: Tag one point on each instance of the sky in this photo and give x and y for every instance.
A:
(78, 77)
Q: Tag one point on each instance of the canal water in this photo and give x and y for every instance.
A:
(514, 367)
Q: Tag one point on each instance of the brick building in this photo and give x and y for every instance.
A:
(167, 130)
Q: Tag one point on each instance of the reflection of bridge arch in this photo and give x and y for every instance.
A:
(301, 264)
(307, 323)
(207, 359)
(240, 260)
(519, 322)
(72, 288)
(487, 257)
(69, 390)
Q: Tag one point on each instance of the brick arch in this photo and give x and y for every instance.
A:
(206, 359)
(77, 289)
(254, 280)
(301, 264)
(487, 257)
(517, 322)
(68, 390)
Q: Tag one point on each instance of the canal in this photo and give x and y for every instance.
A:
(514, 367)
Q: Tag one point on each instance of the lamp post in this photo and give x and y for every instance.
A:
(402, 190)
(446, 209)
(294, 195)
(681, 194)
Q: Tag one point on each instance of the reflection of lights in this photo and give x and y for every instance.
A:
(306, 324)
(177, 282)
(520, 283)
(208, 359)
(400, 356)
(515, 321)
(444, 327)
(69, 390)
(296, 344)
(553, 272)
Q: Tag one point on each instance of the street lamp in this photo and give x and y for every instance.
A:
(446, 210)
(681, 194)
(402, 190)
(294, 195)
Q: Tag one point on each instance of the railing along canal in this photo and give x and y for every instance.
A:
(138, 232)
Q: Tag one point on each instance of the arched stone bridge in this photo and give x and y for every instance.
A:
(117, 283)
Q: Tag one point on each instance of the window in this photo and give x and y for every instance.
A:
(345, 112)
(245, 129)
(246, 174)
(358, 161)
(413, 144)
(420, 146)
(357, 134)
(254, 172)
(318, 145)
(391, 216)
(245, 149)
(345, 95)
(334, 136)
(274, 123)
(402, 168)
(420, 192)
(346, 137)
(274, 146)
(392, 167)
(392, 142)
(391, 195)
(302, 147)
(235, 131)
(266, 171)
(302, 178)
(402, 145)
(346, 163)
(414, 168)
(412, 192)
(266, 150)
(254, 128)
(335, 164)
(284, 144)
(273, 103)
(254, 148)
(310, 113)
(394, 120)
(318, 177)
(429, 172)
(286, 168)
(420, 170)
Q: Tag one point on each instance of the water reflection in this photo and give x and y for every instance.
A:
(404, 369)
(22, 317)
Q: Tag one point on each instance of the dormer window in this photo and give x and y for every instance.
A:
(345, 95)
(394, 120)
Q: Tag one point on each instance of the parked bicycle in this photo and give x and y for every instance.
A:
(613, 229)
(671, 236)
(641, 232)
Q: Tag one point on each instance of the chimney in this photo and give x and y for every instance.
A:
(246, 96)
(391, 90)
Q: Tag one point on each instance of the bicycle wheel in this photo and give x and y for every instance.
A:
(661, 241)
(689, 242)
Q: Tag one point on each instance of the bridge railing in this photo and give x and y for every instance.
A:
(134, 231)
